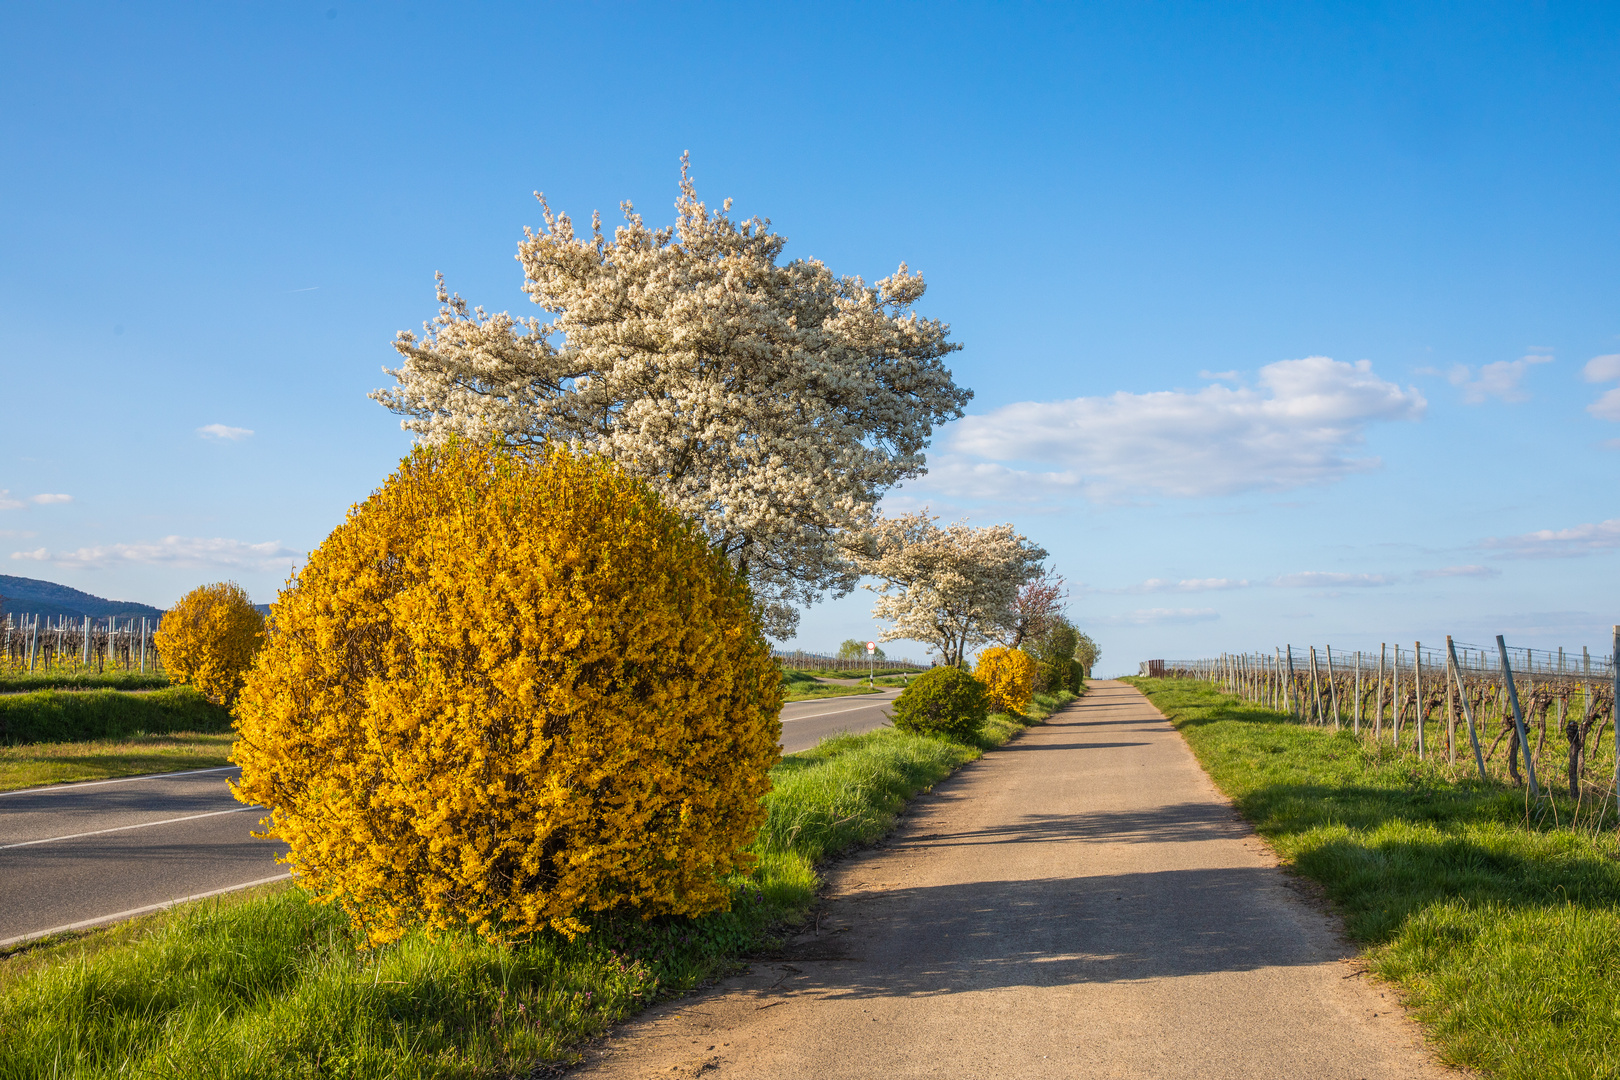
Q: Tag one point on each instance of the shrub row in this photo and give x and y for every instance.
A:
(74, 715)
(22, 681)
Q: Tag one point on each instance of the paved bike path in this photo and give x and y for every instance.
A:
(1080, 903)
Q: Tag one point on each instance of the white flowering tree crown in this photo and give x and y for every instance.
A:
(955, 587)
(773, 403)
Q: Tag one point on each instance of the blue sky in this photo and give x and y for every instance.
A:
(1142, 222)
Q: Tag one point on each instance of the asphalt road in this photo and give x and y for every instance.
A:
(1079, 903)
(805, 723)
(74, 855)
(77, 854)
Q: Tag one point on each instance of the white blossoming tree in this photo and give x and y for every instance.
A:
(955, 588)
(774, 403)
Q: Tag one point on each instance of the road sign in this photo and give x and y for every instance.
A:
(871, 646)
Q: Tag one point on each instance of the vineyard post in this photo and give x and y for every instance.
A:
(87, 641)
(1277, 683)
(33, 644)
(1316, 691)
(1518, 717)
(1333, 689)
(1468, 712)
(1395, 701)
(1614, 709)
(1451, 718)
(1378, 695)
(1356, 720)
(1288, 687)
(1417, 692)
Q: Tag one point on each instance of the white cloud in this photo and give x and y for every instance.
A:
(1155, 616)
(1606, 407)
(8, 503)
(1559, 543)
(223, 432)
(1602, 368)
(1460, 571)
(1219, 376)
(47, 500)
(1317, 579)
(172, 551)
(19, 534)
(1495, 380)
(1300, 426)
(1188, 585)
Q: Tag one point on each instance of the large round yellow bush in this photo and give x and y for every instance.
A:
(209, 639)
(512, 688)
(1009, 677)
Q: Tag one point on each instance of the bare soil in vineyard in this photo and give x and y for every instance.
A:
(1499, 922)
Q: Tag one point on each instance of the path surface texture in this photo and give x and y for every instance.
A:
(1079, 903)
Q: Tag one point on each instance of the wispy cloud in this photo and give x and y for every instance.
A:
(224, 432)
(1473, 571)
(1155, 616)
(1300, 426)
(1585, 539)
(172, 551)
(9, 503)
(1498, 380)
(1604, 369)
(1318, 579)
(1152, 585)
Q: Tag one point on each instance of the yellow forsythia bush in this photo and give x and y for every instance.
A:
(512, 688)
(1009, 676)
(209, 639)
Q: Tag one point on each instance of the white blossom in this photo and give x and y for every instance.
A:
(773, 403)
(954, 588)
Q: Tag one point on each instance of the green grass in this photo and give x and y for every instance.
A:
(32, 764)
(272, 985)
(1499, 922)
(802, 686)
(77, 715)
(14, 681)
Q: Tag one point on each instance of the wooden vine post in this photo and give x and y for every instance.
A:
(1417, 693)
(1468, 713)
(1614, 710)
(1518, 718)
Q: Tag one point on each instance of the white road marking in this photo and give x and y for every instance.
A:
(126, 828)
(132, 912)
(123, 780)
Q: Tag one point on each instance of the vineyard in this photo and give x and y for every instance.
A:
(1460, 703)
(798, 660)
(78, 645)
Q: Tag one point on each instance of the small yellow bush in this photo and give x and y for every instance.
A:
(209, 639)
(1009, 676)
(511, 689)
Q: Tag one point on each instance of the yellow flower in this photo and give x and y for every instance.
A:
(512, 688)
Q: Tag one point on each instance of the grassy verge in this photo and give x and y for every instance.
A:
(32, 764)
(15, 681)
(272, 985)
(802, 686)
(74, 715)
(1502, 927)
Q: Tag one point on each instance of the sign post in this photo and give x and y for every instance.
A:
(871, 659)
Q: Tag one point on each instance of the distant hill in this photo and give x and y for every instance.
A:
(30, 596)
